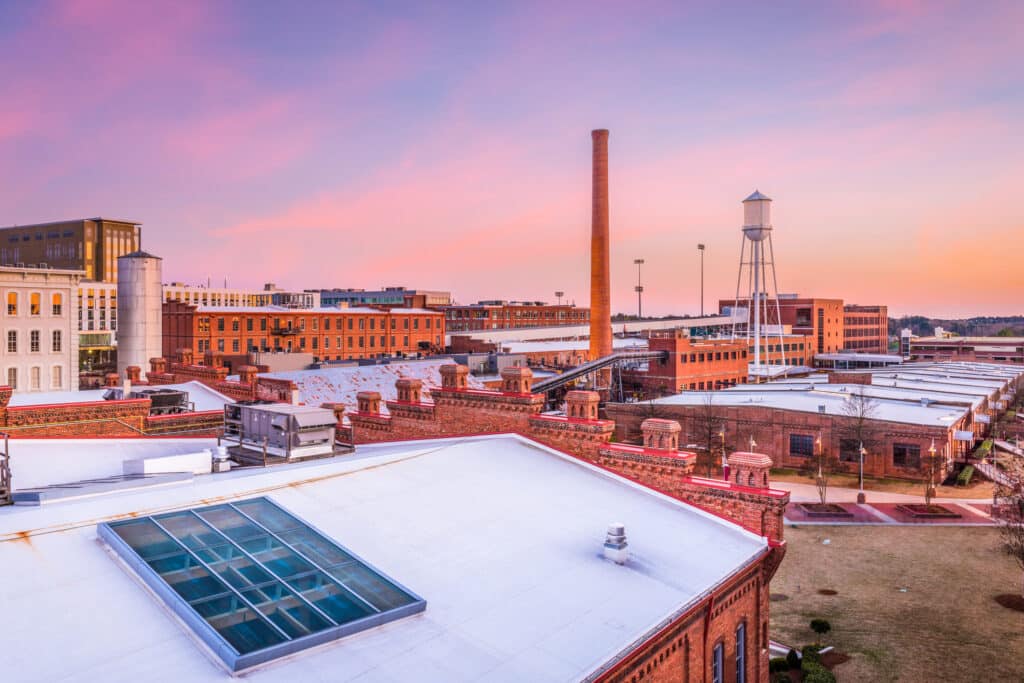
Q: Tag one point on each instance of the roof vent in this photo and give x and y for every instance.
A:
(615, 544)
(926, 401)
(821, 408)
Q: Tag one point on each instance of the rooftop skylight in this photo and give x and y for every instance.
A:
(254, 581)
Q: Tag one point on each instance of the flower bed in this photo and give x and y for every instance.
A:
(927, 511)
(825, 510)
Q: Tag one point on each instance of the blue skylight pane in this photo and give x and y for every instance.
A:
(255, 582)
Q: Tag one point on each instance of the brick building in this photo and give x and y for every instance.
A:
(326, 333)
(820, 319)
(496, 315)
(967, 349)
(387, 297)
(906, 411)
(866, 329)
(690, 364)
(91, 245)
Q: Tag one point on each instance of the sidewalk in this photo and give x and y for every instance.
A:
(808, 493)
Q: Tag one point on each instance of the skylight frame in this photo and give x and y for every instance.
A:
(233, 658)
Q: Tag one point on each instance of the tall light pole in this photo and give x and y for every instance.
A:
(700, 248)
(559, 295)
(862, 452)
(639, 289)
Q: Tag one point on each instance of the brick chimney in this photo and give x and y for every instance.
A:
(111, 379)
(247, 374)
(132, 373)
(368, 402)
(157, 366)
(582, 405)
(454, 376)
(662, 435)
(750, 469)
(409, 390)
(600, 287)
(516, 380)
(185, 356)
(213, 359)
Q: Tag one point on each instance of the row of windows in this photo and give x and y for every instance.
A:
(718, 658)
(250, 324)
(35, 303)
(35, 374)
(56, 341)
(474, 314)
(863, 320)
(313, 343)
(714, 385)
(903, 454)
(709, 356)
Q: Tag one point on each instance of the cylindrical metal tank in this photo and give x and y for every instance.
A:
(139, 310)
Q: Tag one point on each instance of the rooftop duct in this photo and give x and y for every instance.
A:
(615, 544)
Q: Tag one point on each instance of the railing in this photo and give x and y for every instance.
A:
(5, 473)
(618, 357)
(285, 330)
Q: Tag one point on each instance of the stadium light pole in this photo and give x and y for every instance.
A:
(700, 248)
(639, 289)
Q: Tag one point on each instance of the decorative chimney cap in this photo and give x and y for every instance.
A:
(749, 459)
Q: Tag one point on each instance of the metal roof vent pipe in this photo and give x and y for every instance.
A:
(615, 545)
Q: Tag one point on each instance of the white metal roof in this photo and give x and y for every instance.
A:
(569, 345)
(201, 395)
(501, 536)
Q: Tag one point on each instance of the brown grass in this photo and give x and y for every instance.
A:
(979, 487)
(945, 627)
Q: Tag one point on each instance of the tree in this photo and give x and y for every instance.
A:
(857, 427)
(820, 626)
(1008, 500)
(709, 424)
(820, 468)
(933, 464)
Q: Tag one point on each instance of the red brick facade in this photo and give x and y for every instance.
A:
(327, 334)
(499, 315)
(691, 363)
(866, 329)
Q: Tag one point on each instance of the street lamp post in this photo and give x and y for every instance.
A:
(639, 289)
(725, 461)
(700, 248)
(860, 494)
(559, 295)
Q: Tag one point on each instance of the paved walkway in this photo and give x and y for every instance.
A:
(808, 493)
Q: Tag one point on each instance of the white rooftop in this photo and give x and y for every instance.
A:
(569, 345)
(201, 395)
(340, 385)
(501, 536)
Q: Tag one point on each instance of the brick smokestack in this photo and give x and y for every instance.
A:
(600, 289)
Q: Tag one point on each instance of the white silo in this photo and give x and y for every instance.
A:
(139, 311)
(761, 293)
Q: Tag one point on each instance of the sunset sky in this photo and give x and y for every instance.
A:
(360, 145)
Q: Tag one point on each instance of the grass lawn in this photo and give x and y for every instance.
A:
(945, 627)
(979, 487)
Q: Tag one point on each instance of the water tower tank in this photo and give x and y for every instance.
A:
(757, 216)
(139, 310)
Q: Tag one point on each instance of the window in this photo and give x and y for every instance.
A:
(12, 378)
(56, 377)
(12, 341)
(248, 324)
(717, 657)
(741, 653)
(35, 303)
(253, 581)
(906, 455)
(220, 345)
(234, 325)
(12, 303)
(57, 304)
(849, 450)
(33, 341)
(56, 341)
(234, 346)
(220, 324)
(263, 324)
(34, 375)
(801, 445)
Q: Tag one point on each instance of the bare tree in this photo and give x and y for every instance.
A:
(709, 424)
(1008, 504)
(857, 427)
(933, 464)
(820, 468)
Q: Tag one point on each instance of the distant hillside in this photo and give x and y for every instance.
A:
(982, 326)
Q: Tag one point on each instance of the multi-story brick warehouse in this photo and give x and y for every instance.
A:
(980, 349)
(91, 245)
(821, 319)
(497, 315)
(386, 297)
(866, 328)
(897, 414)
(326, 333)
(690, 364)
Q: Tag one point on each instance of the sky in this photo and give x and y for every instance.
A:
(447, 145)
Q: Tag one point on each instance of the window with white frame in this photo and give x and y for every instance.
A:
(12, 341)
(57, 344)
(717, 663)
(35, 376)
(57, 377)
(33, 341)
(35, 303)
(741, 653)
(57, 304)
(12, 378)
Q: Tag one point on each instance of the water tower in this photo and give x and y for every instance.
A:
(756, 286)
(139, 310)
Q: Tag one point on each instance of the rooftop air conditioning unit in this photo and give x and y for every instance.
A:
(821, 409)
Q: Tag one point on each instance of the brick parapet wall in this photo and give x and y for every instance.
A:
(370, 427)
(61, 418)
(474, 411)
(583, 438)
(200, 423)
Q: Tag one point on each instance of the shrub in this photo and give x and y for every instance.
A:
(965, 476)
(776, 664)
(781, 677)
(810, 654)
(793, 659)
(816, 673)
(820, 626)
